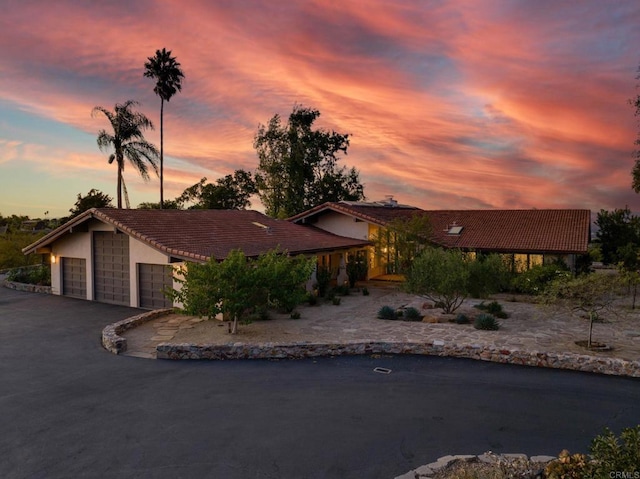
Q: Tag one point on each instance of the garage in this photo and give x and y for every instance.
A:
(74, 277)
(153, 279)
(111, 267)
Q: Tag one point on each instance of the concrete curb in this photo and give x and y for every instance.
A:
(111, 339)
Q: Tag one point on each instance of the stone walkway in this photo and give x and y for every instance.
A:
(529, 328)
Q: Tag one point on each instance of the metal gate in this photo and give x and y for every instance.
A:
(111, 267)
(153, 279)
(74, 277)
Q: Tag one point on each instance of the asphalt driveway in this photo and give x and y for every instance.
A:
(71, 409)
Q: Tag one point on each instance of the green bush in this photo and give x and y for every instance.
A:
(336, 301)
(412, 314)
(295, 315)
(494, 308)
(536, 279)
(387, 312)
(342, 290)
(40, 275)
(462, 318)
(611, 453)
(486, 322)
(488, 274)
(323, 277)
(312, 299)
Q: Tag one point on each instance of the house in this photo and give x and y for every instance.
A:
(125, 256)
(524, 237)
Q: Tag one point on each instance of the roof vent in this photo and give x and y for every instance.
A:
(264, 227)
(389, 201)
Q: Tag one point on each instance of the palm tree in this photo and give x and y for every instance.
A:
(127, 140)
(166, 71)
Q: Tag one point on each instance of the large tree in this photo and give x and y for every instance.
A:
(635, 173)
(298, 165)
(127, 140)
(232, 192)
(618, 230)
(93, 199)
(165, 70)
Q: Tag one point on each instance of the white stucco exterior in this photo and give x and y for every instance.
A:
(80, 244)
(343, 225)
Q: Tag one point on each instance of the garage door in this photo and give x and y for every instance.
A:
(111, 267)
(74, 277)
(153, 279)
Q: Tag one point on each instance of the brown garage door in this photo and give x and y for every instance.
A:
(74, 277)
(153, 279)
(111, 267)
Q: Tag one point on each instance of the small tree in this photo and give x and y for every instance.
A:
(239, 285)
(441, 276)
(588, 294)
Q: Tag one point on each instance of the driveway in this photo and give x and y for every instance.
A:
(71, 409)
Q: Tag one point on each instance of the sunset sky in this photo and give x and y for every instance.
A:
(459, 104)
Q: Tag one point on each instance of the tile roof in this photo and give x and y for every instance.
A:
(200, 234)
(524, 231)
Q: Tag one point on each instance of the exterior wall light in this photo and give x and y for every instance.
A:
(53, 258)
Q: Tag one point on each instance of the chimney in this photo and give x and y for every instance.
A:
(389, 201)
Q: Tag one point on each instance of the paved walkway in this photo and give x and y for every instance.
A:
(529, 328)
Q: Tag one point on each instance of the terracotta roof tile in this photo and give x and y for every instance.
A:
(200, 234)
(525, 231)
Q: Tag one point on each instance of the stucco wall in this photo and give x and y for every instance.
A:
(343, 225)
(79, 245)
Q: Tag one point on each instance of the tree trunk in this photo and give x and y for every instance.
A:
(591, 319)
(161, 153)
(119, 190)
(234, 330)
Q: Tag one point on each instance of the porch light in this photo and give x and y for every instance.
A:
(53, 258)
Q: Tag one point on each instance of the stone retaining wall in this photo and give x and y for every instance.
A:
(31, 288)
(111, 339)
(576, 362)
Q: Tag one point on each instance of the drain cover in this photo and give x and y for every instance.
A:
(381, 370)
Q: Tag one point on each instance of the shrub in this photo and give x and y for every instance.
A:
(365, 292)
(568, 466)
(494, 308)
(412, 314)
(610, 453)
(295, 315)
(342, 290)
(536, 279)
(312, 299)
(387, 312)
(336, 301)
(356, 270)
(323, 276)
(488, 274)
(486, 322)
(40, 274)
(462, 318)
